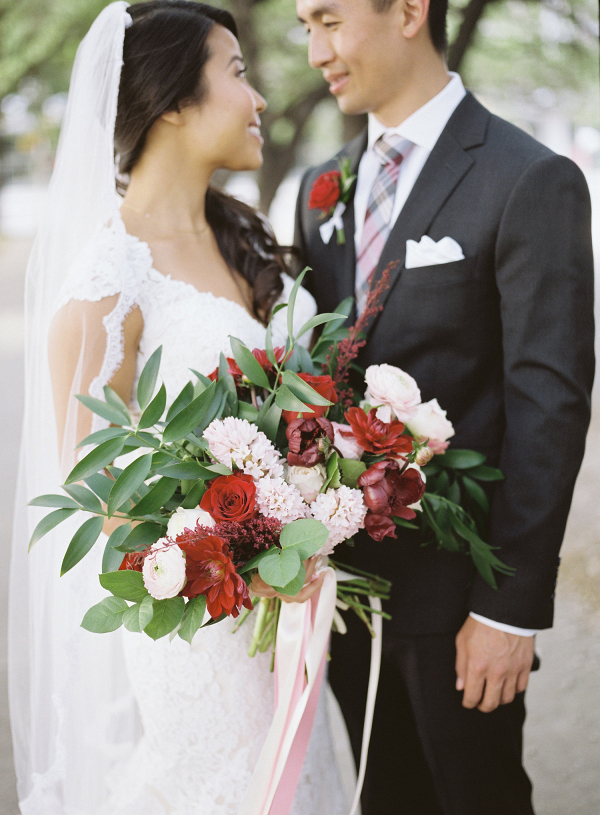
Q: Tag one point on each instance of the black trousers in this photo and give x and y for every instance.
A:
(428, 754)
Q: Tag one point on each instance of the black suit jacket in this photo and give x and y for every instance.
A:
(503, 339)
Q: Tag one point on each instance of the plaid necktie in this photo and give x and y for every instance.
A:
(390, 149)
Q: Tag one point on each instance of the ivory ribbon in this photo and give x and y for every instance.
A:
(300, 657)
(335, 222)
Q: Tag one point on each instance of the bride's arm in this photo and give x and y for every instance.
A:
(77, 344)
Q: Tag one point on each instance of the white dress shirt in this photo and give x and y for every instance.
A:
(423, 128)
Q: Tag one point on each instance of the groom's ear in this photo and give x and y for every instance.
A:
(414, 17)
(173, 117)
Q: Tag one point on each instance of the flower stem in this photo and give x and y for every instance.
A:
(259, 625)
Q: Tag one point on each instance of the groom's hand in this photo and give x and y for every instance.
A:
(491, 665)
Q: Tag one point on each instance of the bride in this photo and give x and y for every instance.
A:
(121, 724)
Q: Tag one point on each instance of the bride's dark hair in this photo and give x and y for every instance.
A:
(164, 55)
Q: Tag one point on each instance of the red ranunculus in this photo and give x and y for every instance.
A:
(305, 440)
(210, 571)
(324, 386)
(325, 192)
(376, 436)
(389, 492)
(231, 498)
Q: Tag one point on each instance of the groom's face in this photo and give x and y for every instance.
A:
(361, 52)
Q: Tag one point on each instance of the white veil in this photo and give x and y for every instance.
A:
(72, 713)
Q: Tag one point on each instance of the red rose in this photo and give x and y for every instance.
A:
(230, 498)
(376, 436)
(304, 437)
(325, 192)
(210, 571)
(324, 386)
(389, 492)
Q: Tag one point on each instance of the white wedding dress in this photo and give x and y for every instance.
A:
(205, 708)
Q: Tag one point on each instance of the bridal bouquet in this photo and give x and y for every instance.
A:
(269, 461)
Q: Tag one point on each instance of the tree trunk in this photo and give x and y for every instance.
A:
(471, 14)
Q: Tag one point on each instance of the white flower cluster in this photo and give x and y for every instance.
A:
(276, 498)
(342, 511)
(236, 441)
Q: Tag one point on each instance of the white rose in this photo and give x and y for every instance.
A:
(345, 443)
(392, 391)
(429, 422)
(187, 519)
(307, 480)
(164, 570)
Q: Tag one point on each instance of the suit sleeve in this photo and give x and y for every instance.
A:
(544, 275)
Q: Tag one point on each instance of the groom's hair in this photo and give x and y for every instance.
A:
(438, 12)
(164, 55)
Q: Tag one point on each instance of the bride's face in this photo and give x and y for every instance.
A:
(224, 129)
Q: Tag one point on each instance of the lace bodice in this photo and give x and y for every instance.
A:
(205, 708)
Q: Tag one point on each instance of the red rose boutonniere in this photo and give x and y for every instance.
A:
(330, 193)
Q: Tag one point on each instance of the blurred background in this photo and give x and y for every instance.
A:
(533, 62)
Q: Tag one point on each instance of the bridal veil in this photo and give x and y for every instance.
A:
(73, 716)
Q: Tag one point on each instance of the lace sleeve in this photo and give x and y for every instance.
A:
(305, 308)
(94, 333)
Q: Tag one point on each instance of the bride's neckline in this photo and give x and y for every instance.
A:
(178, 281)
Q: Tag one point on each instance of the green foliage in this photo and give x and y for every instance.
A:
(105, 616)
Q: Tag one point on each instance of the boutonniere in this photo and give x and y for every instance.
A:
(330, 193)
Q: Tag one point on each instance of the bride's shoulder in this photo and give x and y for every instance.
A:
(111, 262)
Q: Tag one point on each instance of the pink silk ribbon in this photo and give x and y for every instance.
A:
(301, 653)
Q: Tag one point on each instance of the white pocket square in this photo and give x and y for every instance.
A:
(429, 253)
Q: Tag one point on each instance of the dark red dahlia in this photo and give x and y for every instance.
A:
(210, 571)
(375, 436)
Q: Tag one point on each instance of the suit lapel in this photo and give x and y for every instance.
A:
(447, 165)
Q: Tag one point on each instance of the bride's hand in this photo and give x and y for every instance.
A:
(258, 587)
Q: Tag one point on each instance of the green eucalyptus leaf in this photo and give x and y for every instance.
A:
(306, 535)
(100, 484)
(113, 398)
(107, 411)
(281, 567)
(142, 536)
(103, 435)
(137, 617)
(155, 409)
(303, 390)
(485, 473)
(128, 482)
(127, 584)
(269, 350)
(105, 616)
(295, 585)
(166, 617)
(186, 470)
(58, 501)
(81, 543)
(319, 319)
(286, 400)
(460, 459)
(248, 364)
(49, 522)
(292, 301)
(148, 377)
(253, 562)
(104, 454)
(191, 416)
(351, 471)
(192, 499)
(192, 618)
(84, 497)
(157, 497)
(112, 557)
(183, 399)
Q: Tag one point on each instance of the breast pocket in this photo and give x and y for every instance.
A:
(442, 274)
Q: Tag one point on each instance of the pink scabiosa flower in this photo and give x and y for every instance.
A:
(342, 511)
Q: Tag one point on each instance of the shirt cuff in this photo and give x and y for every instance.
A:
(509, 629)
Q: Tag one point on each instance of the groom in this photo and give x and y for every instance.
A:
(500, 330)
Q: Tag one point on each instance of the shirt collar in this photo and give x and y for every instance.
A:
(425, 125)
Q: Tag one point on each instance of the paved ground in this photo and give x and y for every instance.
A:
(563, 727)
